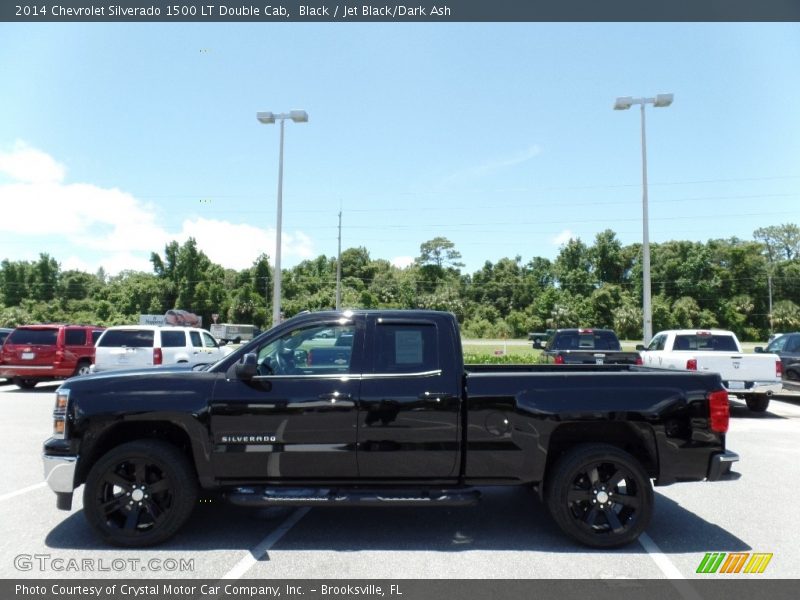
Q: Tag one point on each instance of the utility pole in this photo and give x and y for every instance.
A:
(339, 267)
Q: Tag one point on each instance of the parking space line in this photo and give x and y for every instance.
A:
(261, 549)
(672, 573)
(30, 488)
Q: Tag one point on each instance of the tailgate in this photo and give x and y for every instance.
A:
(737, 368)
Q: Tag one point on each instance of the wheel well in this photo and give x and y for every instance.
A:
(636, 440)
(130, 432)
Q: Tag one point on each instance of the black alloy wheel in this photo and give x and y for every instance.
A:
(140, 493)
(600, 496)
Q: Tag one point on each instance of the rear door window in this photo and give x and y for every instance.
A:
(195, 337)
(130, 338)
(402, 348)
(33, 337)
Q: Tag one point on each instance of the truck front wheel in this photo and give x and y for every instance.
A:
(140, 493)
(599, 496)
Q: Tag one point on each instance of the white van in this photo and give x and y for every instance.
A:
(133, 346)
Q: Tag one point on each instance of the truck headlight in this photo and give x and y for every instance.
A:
(60, 413)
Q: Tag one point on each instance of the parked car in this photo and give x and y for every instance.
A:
(787, 346)
(754, 378)
(130, 346)
(34, 353)
(586, 347)
(403, 422)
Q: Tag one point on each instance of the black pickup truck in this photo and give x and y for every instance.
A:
(402, 422)
(586, 347)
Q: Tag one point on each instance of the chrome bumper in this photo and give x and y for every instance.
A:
(767, 388)
(59, 473)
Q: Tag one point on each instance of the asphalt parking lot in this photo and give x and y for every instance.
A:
(508, 535)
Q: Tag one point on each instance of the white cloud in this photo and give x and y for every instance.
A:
(401, 262)
(563, 237)
(112, 228)
(27, 164)
(237, 245)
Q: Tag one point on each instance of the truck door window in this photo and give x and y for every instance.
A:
(310, 350)
(402, 348)
(657, 343)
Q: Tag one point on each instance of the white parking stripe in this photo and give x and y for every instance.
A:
(30, 488)
(668, 569)
(261, 549)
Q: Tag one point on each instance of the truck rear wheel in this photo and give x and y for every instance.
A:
(600, 496)
(140, 493)
(757, 403)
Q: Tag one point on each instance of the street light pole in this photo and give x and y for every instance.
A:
(624, 103)
(267, 118)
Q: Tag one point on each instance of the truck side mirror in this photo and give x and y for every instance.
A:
(640, 347)
(247, 367)
(759, 349)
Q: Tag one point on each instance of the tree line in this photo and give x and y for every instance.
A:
(728, 283)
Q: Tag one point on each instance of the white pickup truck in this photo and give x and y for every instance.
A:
(755, 377)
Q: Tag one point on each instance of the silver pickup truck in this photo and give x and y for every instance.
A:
(754, 377)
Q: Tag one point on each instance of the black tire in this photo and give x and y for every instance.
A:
(599, 496)
(25, 384)
(140, 493)
(757, 403)
(792, 375)
(83, 368)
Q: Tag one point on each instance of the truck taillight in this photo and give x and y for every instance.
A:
(59, 357)
(559, 359)
(719, 411)
(778, 368)
(639, 360)
(691, 364)
(158, 356)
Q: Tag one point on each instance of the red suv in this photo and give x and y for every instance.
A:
(34, 353)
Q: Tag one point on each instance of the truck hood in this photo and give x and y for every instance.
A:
(152, 373)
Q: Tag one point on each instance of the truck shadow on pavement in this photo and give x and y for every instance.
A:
(510, 519)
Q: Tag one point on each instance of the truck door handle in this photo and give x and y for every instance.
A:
(433, 397)
(334, 396)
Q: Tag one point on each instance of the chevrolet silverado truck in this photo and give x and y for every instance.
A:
(754, 377)
(586, 347)
(401, 422)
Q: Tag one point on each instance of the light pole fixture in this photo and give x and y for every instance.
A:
(624, 103)
(268, 118)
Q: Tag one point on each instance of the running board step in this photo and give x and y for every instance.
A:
(261, 497)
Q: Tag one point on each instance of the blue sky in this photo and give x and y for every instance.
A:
(117, 138)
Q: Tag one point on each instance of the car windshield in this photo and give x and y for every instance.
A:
(33, 337)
